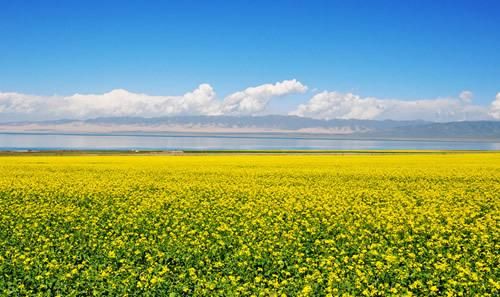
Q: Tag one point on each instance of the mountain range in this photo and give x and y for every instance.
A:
(264, 125)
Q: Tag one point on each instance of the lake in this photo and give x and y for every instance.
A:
(32, 141)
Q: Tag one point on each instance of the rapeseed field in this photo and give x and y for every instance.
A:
(250, 225)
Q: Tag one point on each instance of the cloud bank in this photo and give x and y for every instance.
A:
(330, 105)
(119, 102)
(250, 101)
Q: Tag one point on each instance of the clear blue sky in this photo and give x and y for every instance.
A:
(387, 49)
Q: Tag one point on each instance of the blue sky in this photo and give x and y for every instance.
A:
(405, 50)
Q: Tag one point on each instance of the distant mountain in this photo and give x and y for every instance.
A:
(334, 128)
(269, 122)
(469, 130)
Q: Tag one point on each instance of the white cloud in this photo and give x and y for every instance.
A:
(251, 101)
(329, 105)
(124, 103)
(19, 103)
(255, 99)
(466, 96)
(495, 107)
(115, 103)
(119, 102)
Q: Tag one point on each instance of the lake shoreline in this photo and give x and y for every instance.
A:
(235, 152)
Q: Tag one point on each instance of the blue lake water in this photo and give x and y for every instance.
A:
(20, 141)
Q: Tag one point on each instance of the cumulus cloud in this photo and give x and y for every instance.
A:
(495, 107)
(250, 101)
(255, 99)
(120, 102)
(124, 103)
(329, 105)
(466, 96)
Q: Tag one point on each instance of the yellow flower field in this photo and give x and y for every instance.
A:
(242, 225)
